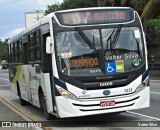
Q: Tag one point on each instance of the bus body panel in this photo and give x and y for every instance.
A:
(67, 109)
(49, 93)
(29, 82)
(83, 107)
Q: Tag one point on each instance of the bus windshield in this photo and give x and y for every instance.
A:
(98, 52)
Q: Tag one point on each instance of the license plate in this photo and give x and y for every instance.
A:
(107, 103)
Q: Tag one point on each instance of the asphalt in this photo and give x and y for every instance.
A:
(154, 74)
(9, 116)
(6, 114)
(154, 78)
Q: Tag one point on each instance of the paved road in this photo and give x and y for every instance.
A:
(6, 113)
(4, 84)
(100, 122)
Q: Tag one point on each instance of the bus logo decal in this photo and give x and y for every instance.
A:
(106, 92)
(84, 92)
(106, 84)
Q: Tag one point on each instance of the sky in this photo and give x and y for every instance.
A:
(12, 14)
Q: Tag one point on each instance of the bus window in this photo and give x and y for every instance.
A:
(20, 50)
(37, 45)
(31, 48)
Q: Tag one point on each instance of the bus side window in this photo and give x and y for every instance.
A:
(37, 45)
(31, 48)
(20, 51)
(25, 52)
(16, 51)
(25, 49)
(13, 52)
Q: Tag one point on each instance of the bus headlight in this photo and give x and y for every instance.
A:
(142, 86)
(66, 94)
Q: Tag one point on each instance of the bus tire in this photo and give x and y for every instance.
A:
(21, 101)
(44, 106)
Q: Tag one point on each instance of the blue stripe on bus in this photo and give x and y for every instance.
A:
(148, 83)
(144, 76)
(60, 83)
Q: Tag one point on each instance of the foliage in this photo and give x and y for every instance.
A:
(52, 8)
(100, 2)
(139, 5)
(151, 9)
(3, 50)
(71, 4)
(154, 23)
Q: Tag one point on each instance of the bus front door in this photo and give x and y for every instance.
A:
(33, 83)
(26, 76)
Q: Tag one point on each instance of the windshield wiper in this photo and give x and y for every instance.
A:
(109, 40)
(116, 36)
(85, 38)
(113, 41)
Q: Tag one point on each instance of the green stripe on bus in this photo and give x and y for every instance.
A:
(17, 74)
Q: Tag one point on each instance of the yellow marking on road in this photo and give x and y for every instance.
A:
(29, 116)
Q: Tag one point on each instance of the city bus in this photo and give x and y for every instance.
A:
(82, 62)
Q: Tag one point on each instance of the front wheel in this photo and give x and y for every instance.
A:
(44, 106)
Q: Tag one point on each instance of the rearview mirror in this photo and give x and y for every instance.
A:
(49, 48)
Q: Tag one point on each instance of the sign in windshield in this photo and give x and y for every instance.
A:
(95, 16)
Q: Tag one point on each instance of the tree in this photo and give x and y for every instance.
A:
(149, 17)
(151, 9)
(71, 4)
(155, 24)
(52, 8)
(3, 50)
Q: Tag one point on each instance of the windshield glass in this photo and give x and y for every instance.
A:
(99, 51)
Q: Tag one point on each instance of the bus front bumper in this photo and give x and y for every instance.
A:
(76, 108)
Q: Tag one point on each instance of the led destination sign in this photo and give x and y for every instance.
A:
(85, 62)
(96, 16)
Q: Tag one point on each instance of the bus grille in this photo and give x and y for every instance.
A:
(85, 107)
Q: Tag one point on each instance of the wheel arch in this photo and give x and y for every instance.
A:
(40, 91)
(47, 97)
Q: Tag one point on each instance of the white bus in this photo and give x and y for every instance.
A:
(82, 62)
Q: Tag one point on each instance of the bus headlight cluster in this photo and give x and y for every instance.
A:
(66, 94)
(142, 86)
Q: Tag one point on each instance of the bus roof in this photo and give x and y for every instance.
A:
(90, 8)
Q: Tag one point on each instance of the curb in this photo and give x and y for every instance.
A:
(22, 113)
